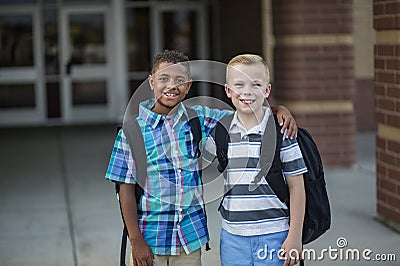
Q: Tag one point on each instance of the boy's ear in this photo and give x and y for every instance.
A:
(189, 85)
(150, 79)
(228, 91)
(267, 90)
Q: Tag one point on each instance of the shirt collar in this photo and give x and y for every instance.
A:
(153, 119)
(258, 129)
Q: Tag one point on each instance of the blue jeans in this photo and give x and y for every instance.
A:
(236, 250)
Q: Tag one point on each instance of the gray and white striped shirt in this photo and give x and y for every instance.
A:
(254, 212)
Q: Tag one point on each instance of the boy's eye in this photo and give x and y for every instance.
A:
(238, 85)
(164, 79)
(180, 81)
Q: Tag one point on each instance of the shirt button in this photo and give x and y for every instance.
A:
(179, 170)
(181, 210)
(181, 189)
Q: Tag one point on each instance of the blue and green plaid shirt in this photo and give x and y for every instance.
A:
(171, 211)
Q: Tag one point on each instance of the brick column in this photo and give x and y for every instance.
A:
(387, 110)
(314, 71)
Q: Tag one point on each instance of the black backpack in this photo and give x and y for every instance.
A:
(317, 218)
(131, 129)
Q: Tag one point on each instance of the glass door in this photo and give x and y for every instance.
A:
(85, 64)
(181, 27)
(21, 67)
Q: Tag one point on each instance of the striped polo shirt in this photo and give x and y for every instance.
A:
(255, 211)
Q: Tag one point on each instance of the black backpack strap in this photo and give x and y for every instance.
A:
(221, 137)
(275, 177)
(267, 150)
(124, 240)
(195, 126)
(124, 237)
(134, 136)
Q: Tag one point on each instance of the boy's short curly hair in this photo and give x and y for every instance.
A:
(170, 56)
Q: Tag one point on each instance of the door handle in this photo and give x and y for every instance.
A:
(68, 66)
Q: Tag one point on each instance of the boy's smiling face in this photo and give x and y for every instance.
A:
(170, 83)
(248, 87)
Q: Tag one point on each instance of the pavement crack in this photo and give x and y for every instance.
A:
(67, 198)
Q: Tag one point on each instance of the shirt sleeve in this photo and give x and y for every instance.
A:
(121, 167)
(210, 117)
(291, 158)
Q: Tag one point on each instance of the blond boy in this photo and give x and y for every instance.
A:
(255, 223)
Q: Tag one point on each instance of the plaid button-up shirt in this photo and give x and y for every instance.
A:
(171, 211)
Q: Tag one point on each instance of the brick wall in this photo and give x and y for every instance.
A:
(387, 109)
(364, 40)
(314, 71)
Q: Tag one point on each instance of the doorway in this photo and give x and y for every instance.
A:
(85, 64)
(22, 95)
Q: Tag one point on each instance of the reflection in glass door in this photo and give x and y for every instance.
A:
(183, 28)
(180, 31)
(21, 82)
(85, 64)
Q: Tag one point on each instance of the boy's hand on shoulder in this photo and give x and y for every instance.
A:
(293, 250)
(141, 252)
(286, 121)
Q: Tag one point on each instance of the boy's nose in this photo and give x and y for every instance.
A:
(172, 84)
(246, 90)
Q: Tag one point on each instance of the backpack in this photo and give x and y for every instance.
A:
(131, 129)
(317, 218)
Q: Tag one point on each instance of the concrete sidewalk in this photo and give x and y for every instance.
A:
(57, 208)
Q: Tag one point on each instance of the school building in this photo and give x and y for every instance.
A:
(334, 63)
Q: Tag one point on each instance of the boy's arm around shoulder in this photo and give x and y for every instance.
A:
(210, 116)
(297, 210)
(285, 120)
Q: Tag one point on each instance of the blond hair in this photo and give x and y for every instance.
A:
(248, 59)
